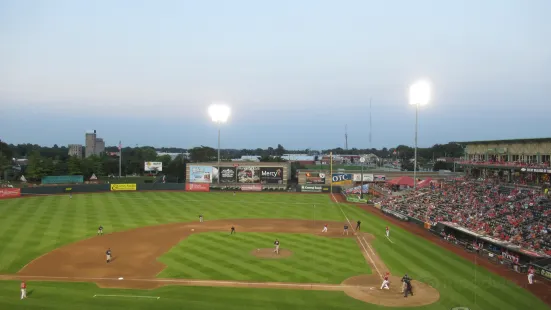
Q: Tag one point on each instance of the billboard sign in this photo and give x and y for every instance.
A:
(10, 193)
(311, 188)
(251, 188)
(153, 166)
(63, 179)
(342, 178)
(123, 187)
(228, 175)
(248, 174)
(356, 190)
(315, 178)
(197, 187)
(379, 178)
(200, 174)
(367, 177)
(271, 175)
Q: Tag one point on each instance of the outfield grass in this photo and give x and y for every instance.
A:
(30, 227)
(218, 256)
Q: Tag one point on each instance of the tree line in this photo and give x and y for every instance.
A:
(43, 160)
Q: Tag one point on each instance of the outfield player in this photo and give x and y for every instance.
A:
(100, 230)
(23, 290)
(387, 232)
(324, 228)
(385, 281)
(200, 218)
(108, 255)
(345, 231)
(531, 272)
(276, 244)
(358, 224)
(232, 230)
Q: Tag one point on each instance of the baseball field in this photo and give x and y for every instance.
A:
(163, 258)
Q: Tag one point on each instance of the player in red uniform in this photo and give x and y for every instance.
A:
(23, 290)
(324, 228)
(531, 272)
(385, 281)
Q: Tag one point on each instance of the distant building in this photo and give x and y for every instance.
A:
(93, 144)
(173, 155)
(252, 158)
(75, 150)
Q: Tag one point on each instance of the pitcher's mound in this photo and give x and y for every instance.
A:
(269, 253)
(368, 288)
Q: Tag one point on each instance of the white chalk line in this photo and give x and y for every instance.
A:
(192, 282)
(389, 239)
(360, 239)
(128, 296)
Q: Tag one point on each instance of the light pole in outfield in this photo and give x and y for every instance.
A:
(219, 113)
(419, 94)
(362, 161)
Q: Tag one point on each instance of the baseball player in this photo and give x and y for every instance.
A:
(234, 193)
(23, 290)
(200, 218)
(385, 281)
(531, 272)
(358, 224)
(232, 230)
(404, 285)
(387, 232)
(276, 243)
(324, 229)
(100, 230)
(345, 231)
(108, 255)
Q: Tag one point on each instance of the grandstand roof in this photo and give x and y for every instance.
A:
(509, 141)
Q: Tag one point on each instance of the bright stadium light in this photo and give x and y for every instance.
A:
(219, 113)
(419, 94)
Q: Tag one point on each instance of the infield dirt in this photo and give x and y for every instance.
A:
(135, 254)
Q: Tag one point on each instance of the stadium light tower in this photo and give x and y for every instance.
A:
(419, 94)
(219, 113)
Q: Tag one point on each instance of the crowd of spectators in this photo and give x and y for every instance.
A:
(514, 214)
(505, 163)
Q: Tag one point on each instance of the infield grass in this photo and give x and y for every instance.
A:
(30, 227)
(220, 256)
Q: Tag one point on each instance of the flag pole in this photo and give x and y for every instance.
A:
(120, 159)
(331, 171)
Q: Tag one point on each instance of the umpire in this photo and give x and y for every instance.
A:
(406, 286)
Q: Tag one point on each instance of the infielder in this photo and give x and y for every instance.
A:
(276, 243)
(100, 230)
(232, 230)
(531, 272)
(108, 255)
(23, 290)
(200, 218)
(387, 232)
(345, 231)
(385, 281)
(358, 224)
(324, 229)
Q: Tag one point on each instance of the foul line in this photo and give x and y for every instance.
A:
(359, 239)
(389, 239)
(128, 296)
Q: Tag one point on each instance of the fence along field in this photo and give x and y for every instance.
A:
(59, 221)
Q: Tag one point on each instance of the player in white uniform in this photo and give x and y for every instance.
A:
(531, 272)
(387, 232)
(276, 244)
(324, 228)
(385, 281)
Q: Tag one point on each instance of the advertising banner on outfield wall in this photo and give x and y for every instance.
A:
(123, 187)
(251, 188)
(200, 174)
(197, 187)
(228, 175)
(342, 178)
(367, 177)
(315, 178)
(153, 166)
(248, 174)
(311, 188)
(63, 179)
(379, 178)
(10, 193)
(271, 175)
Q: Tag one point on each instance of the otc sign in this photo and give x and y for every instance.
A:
(341, 177)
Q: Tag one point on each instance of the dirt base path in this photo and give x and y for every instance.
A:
(134, 263)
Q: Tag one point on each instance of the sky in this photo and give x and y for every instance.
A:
(293, 72)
